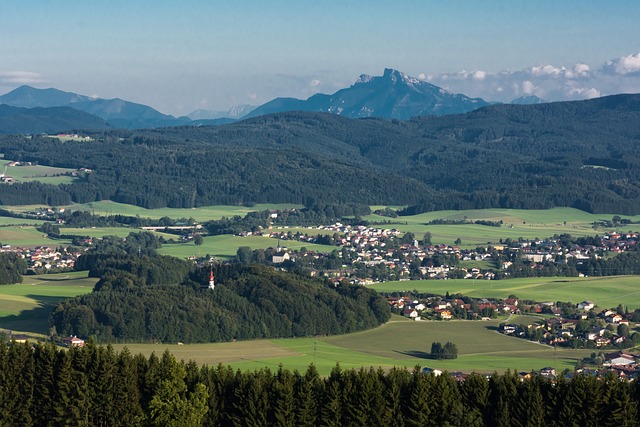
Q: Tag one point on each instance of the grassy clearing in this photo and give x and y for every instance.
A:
(26, 306)
(604, 291)
(201, 214)
(226, 246)
(400, 343)
(45, 174)
(18, 235)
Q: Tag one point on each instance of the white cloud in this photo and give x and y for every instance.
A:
(20, 77)
(581, 70)
(548, 81)
(624, 65)
(479, 75)
(315, 82)
(528, 87)
(548, 70)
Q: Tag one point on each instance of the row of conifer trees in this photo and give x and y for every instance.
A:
(47, 386)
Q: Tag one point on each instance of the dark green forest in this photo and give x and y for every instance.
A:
(583, 154)
(95, 386)
(139, 299)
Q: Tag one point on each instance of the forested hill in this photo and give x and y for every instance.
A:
(582, 154)
(248, 302)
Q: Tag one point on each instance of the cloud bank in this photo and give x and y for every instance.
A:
(547, 81)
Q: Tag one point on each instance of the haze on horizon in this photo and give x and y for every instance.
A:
(181, 56)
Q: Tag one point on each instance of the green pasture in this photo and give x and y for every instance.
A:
(5, 220)
(100, 231)
(200, 214)
(401, 343)
(528, 224)
(44, 174)
(18, 235)
(605, 292)
(26, 306)
(226, 246)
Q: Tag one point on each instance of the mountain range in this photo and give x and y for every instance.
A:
(393, 95)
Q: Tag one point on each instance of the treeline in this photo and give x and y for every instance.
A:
(96, 386)
(136, 300)
(527, 157)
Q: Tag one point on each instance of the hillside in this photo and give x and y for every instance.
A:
(582, 154)
(18, 120)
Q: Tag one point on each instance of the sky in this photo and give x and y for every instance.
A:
(179, 56)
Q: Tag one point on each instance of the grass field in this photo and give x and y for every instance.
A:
(528, 224)
(400, 342)
(226, 246)
(26, 306)
(201, 214)
(44, 174)
(18, 235)
(605, 292)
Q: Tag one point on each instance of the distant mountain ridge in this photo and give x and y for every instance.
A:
(20, 120)
(116, 112)
(394, 95)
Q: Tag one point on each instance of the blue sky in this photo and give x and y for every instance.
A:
(178, 56)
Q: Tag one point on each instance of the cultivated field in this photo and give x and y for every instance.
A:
(605, 292)
(44, 174)
(22, 236)
(226, 246)
(528, 224)
(26, 306)
(400, 342)
(201, 214)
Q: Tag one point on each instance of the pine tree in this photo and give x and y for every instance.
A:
(419, 408)
(331, 414)
(44, 384)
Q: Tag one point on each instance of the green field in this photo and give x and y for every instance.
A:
(201, 214)
(26, 306)
(605, 292)
(21, 236)
(398, 343)
(226, 246)
(528, 224)
(44, 174)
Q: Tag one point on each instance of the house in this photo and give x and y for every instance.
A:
(280, 258)
(446, 315)
(410, 313)
(619, 359)
(73, 341)
(586, 305)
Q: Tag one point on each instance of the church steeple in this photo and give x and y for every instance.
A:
(212, 283)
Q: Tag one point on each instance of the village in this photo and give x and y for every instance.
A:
(369, 255)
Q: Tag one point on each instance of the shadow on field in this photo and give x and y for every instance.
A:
(35, 320)
(492, 328)
(60, 279)
(415, 353)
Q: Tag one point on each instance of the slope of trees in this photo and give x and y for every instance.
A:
(136, 301)
(582, 154)
(97, 386)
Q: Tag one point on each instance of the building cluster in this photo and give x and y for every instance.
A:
(363, 248)
(581, 327)
(44, 258)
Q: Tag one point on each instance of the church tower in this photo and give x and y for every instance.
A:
(212, 283)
